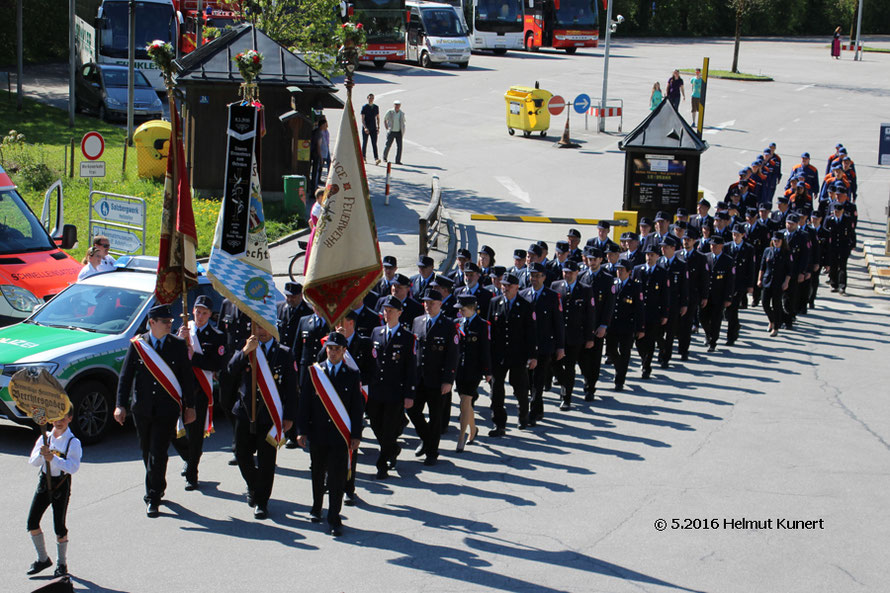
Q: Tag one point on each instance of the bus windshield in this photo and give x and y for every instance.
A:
(383, 26)
(153, 21)
(20, 231)
(442, 22)
(365, 5)
(581, 14)
(501, 16)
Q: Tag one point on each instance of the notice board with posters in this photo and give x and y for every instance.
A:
(659, 181)
(884, 145)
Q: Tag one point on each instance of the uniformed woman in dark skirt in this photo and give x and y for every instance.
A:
(474, 363)
(775, 274)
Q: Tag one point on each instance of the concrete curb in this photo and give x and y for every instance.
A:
(289, 238)
(878, 264)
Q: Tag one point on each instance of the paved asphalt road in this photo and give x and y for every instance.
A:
(792, 428)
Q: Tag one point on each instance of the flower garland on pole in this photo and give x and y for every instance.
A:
(353, 42)
(250, 64)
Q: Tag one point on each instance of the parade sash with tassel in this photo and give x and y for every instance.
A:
(160, 370)
(205, 380)
(269, 393)
(333, 405)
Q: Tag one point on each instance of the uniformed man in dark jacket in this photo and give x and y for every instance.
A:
(678, 297)
(745, 278)
(627, 321)
(473, 364)
(654, 284)
(444, 285)
(813, 267)
(473, 288)
(156, 410)
(463, 258)
(602, 284)
(799, 244)
(255, 435)
(319, 425)
(602, 240)
(514, 350)
(425, 275)
(774, 277)
(236, 327)
(720, 291)
(208, 358)
(291, 311)
(634, 252)
(392, 389)
(411, 309)
(820, 246)
(383, 288)
(307, 343)
(701, 219)
(579, 317)
(366, 319)
(437, 351)
(574, 238)
(841, 242)
(699, 286)
(550, 329)
(758, 235)
(358, 357)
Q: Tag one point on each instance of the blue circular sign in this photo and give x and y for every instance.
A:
(581, 103)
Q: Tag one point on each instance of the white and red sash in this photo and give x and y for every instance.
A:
(158, 368)
(269, 392)
(350, 362)
(205, 380)
(333, 405)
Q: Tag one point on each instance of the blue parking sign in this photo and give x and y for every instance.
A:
(581, 103)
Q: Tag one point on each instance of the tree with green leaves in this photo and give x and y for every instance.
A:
(741, 8)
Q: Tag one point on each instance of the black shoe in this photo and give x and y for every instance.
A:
(532, 422)
(684, 357)
(191, 485)
(619, 386)
(730, 342)
(315, 516)
(497, 432)
(420, 450)
(712, 348)
(537, 416)
(251, 501)
(291, 444)
(152, 510)
(382, 474)
(589, 396)
(336, 530)
(664, 365)
(523, 425)
(647, 373)
(566, 405)
(350, 499)
(61, 570)
(233, 461)
(182, 472)
(430, 461)
(40, 565)
(260, 512)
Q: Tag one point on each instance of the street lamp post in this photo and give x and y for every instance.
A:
(610, 27)
(857, 56)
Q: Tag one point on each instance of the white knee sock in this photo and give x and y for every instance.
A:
(62, 550)
(40, 546)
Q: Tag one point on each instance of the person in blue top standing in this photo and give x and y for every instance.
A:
(696, 84)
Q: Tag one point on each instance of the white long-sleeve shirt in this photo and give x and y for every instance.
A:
(70, 464)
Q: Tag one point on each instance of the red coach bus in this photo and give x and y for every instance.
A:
(561, 24)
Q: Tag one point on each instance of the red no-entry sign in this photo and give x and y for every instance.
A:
(556, 105)
(92, 145)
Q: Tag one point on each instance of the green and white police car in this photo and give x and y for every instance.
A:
(81, 336)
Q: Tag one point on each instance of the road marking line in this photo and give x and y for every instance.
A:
(797, 119)
(423, 148)
(514, 189)
(803, 88)
(392, 92)
(720, 127)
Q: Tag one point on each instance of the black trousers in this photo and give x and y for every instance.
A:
(712, 320)
(666, 340)
(57, 497)
(791, 300)
(537, 378)
(646, 344)
(447, 398)
(814, 285)
(154, 434)
(331, 462)
(772, 304)
(837, 274)
(258, 476)
(390, 136)
(386, 422)
(191, 446)
(684, 326)
(429, 432)
(619, 347)
(733, 325)
(228, 395)
(519, 382)
(372, 134)
(592, 362)
(566, 370)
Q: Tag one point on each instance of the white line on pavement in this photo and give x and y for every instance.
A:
(514, 189)
(423, 148)
(803, 88)
(720, 127)
(392, 92)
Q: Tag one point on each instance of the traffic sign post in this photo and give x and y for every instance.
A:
(556, 105)
(121, 218)
(92, 145)
(124, 241)
(581, 103)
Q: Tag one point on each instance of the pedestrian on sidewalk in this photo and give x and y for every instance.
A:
(696, 85)
(656, 97)
(61, 457)
(370, 127)
(675, 89)
(394, 122)
(836, 44)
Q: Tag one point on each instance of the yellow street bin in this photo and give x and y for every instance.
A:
(527, 110)
(152, 140)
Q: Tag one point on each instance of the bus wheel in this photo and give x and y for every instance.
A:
(571, 50)
(499, 51)
(529, 42)
(379, 64)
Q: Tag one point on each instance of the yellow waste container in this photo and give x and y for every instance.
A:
(152, 140)
(527, 110)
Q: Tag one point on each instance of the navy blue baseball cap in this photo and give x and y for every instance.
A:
(519, 254)
(204, 301)
(623, 263)
(793, 217)
(160, 312)
(392, 302)
(570, 265)
(402, 280)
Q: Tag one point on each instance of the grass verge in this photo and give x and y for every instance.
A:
(41, 159)
(731, 75)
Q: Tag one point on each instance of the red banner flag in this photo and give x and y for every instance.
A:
(177, 266)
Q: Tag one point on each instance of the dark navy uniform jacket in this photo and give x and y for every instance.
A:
(722, 285)
(745, 271)
(313, 419)
(149, 397)
(283, 368)
(437, 350)
(601, 283)
(474, 350)
(678, 289)
(699, 275)
(776, 267)
(288, 320)
(628, 316)
(654, 285)
(549, 322)
(579, 311)
(395, 371)
(513, 335)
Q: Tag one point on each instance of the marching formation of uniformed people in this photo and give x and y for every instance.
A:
(400, 352)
